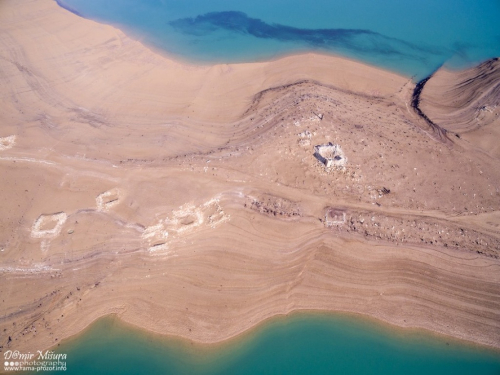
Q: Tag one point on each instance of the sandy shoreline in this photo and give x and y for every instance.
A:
(186, 199)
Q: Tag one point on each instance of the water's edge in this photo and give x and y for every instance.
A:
(259, 327)
(200, 36)
(110, 340)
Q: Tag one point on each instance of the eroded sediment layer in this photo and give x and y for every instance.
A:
(188, 199)
(466, 103)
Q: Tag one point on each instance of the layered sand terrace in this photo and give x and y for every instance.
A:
(187, 199)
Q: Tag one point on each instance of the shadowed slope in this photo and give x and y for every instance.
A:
(466, 102)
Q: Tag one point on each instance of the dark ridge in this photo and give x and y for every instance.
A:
(415, 99)
(360, 40)
(439, 132)
(258, 97)
(461, 102)
(68, 8)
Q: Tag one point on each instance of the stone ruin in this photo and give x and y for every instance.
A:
(305, 138)
(48, 226)
(331, 155)
(334, 217)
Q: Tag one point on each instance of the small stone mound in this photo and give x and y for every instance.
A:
(185, 219)
(156, 236)
(331, 156)
(107, 199)
(305, 138)
(188, 217)
(7, 142)
(274, 206)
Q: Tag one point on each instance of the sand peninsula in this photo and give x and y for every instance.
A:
(188, 200)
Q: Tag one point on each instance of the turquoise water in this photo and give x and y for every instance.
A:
(410, 37)
(300, 344)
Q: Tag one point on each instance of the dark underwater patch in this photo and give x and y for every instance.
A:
(68, 8)
(359, 40)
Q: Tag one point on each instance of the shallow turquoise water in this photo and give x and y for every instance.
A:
(299, 344)
(410, 37)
